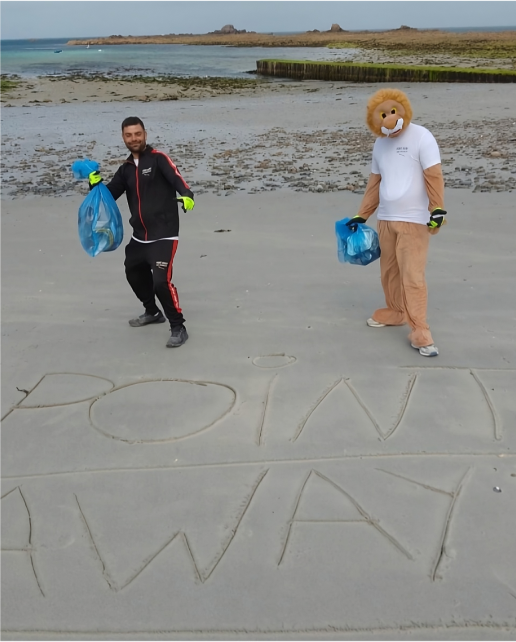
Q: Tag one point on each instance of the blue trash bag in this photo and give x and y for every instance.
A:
(359, 246)
(83, 168)
(101, 228)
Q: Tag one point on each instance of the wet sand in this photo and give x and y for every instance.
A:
(299, 136)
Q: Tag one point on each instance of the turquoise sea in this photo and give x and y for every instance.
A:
(39, 57)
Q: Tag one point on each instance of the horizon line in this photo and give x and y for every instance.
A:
(265, 33)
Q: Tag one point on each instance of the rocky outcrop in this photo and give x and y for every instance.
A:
(425, 41)
(229, 29)
(335, 28)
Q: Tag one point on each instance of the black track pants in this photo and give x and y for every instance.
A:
(148, 268)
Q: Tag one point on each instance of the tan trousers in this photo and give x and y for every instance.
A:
(402, 264)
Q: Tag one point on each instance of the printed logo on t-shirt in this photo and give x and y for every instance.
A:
(401, 150)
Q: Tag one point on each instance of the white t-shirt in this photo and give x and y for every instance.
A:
(168, 238)
(400, 161)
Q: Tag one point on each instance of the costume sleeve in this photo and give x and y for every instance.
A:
(375, 168)
(172, 174)
(429, 154)
(371, 198)
(117, 184)
(434, 183)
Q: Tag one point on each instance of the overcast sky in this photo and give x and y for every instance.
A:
(61, 19)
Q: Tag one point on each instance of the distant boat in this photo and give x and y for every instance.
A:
(58, 51)
(87, 46)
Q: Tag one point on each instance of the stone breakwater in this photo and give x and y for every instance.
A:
(366, 72)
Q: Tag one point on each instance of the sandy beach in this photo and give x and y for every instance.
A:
(289, 473)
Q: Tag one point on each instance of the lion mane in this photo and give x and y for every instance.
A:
(388, 94)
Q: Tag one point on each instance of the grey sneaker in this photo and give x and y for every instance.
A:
(427, 351)
(178, 336)
(145, 319)
(374, 324)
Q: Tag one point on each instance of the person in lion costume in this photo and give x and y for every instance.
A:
(406, 186)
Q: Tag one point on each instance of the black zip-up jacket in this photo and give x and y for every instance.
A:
(151, 189)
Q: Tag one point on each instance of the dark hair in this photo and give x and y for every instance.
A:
(132, 120)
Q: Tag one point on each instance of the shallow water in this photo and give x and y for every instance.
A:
(38, 58)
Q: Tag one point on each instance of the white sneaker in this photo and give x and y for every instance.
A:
(427, 351)
(374, 324)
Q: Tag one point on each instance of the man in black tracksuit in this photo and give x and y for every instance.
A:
(151, 182)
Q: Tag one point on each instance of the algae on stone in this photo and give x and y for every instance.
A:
(374, 72)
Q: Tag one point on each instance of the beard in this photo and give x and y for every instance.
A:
(137, 147)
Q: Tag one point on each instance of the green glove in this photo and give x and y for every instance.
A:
(94, 178)
(352, 223)
(437, 218)
(188, 203)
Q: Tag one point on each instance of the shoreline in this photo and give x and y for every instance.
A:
(86, 87)
(403, 46)
(83, 87)
(403, 38)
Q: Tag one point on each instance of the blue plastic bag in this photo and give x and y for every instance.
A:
(359, 246)
(101, 227)
(83, 168)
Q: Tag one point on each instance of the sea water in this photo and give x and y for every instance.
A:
(38, 58)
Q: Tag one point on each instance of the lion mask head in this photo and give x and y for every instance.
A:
(388, 112)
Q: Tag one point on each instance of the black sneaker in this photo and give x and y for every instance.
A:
(145, 319)
(178, 337)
